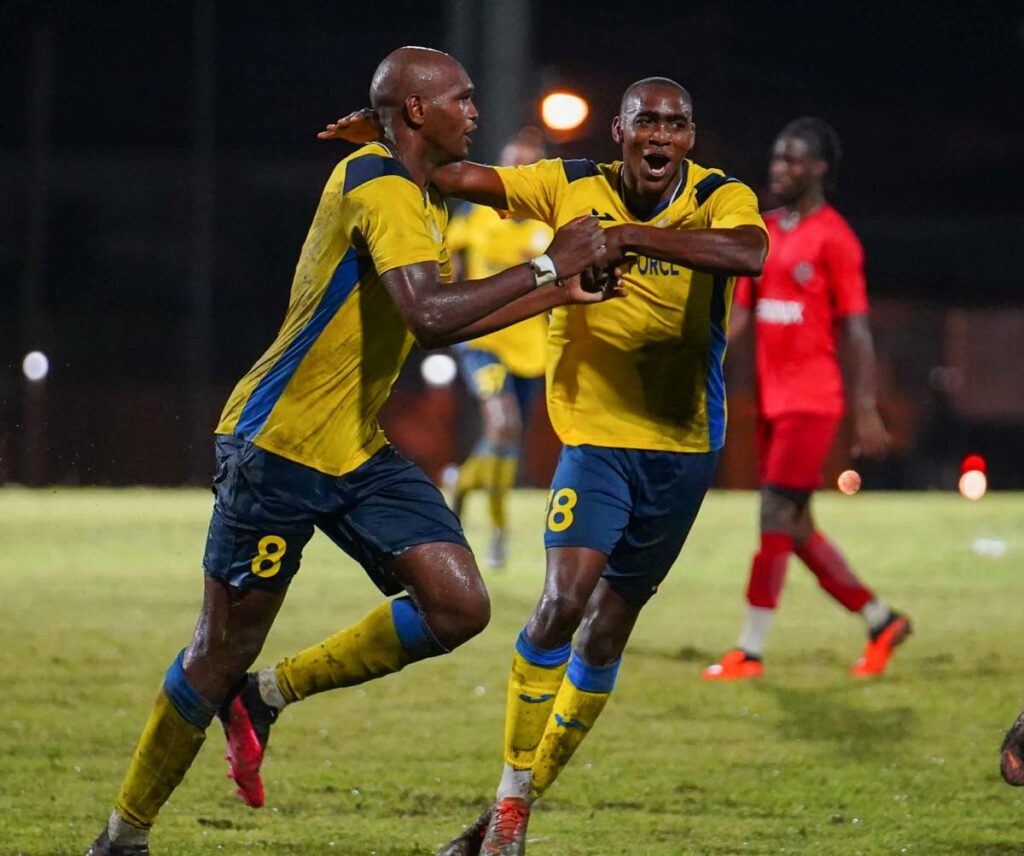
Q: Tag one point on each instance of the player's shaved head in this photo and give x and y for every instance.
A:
(631, 97)
(411, 71)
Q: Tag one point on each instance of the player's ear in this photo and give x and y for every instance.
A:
(414, 110)
(819, 169)
(693, 137)
(617, 130)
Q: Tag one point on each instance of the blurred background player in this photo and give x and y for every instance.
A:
(504, 370)
(809, 302)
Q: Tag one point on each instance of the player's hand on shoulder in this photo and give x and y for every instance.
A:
(871, 439)
(360, 126)
(577, 245)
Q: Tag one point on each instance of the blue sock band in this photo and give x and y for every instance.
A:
(592, 679)
(482, 449)
(413, 633)
(192, 706)
(546, 657)
(507, 451)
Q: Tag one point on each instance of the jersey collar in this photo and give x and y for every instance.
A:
(681, 185)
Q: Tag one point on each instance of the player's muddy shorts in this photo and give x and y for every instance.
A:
(635, 506)
(267, 507)
(486, 376)
(792, 449)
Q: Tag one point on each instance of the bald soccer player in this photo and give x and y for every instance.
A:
(299, 446)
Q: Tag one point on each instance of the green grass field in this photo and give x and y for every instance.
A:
(101, 588)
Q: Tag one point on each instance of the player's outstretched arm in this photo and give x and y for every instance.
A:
(739, 251)
(440, 314)
(871, 439)
(474, 182)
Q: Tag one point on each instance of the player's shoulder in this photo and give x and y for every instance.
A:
(368, 164)
(837, 226)
(707, 181)
(580, 169)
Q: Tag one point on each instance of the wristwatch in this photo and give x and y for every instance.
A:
(543, 270)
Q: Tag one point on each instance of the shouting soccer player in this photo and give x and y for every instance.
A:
(636, 394)
(299, 446)
(812, 286)
(505, 369)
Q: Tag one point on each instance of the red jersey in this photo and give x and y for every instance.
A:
(814, 276)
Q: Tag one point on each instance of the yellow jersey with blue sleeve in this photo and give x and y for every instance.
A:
(490, 244)
(644, 372)
(314, 395)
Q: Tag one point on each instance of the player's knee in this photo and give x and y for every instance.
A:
(560, 612)
(225, 655)
(460, 618)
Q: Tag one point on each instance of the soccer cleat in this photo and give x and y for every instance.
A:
(468, 842)
(247, 719)
(737, 665)
(506, 832)
(1011, 754)
(881, 645)
(103, 846)
(496, 551)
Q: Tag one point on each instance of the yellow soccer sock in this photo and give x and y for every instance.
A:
(533, 684)
(172, 737)
(580, 700)
(501, 479)
(385, 641)
(472, 473)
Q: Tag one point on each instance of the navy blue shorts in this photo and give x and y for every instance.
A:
(267, 507)
(486, 377)
(635, 506)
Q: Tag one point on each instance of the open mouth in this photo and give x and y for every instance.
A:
(657, 164)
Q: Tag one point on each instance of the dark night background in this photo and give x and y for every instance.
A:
(105, 128)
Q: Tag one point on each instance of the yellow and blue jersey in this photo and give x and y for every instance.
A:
(314, 395)
(491, 244)
(644, 372)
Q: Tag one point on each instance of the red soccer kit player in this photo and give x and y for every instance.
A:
(810, 300)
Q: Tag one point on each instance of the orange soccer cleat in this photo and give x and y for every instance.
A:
(1011, 754)
(737, 665)
(881, 645)
(247, 719)
(506, 833)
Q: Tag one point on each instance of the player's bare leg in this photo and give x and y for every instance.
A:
(228, 637)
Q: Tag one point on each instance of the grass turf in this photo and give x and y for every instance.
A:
(101, 588)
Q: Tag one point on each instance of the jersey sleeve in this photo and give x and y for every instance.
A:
(388, 213)
(534, 192)
(734, 204)
(844, 259)
(743, 294)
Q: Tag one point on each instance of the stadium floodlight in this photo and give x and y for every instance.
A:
(563, 111)
(438, 370)
(36, 366)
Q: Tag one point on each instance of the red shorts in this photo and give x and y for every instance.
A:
(792, 449)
